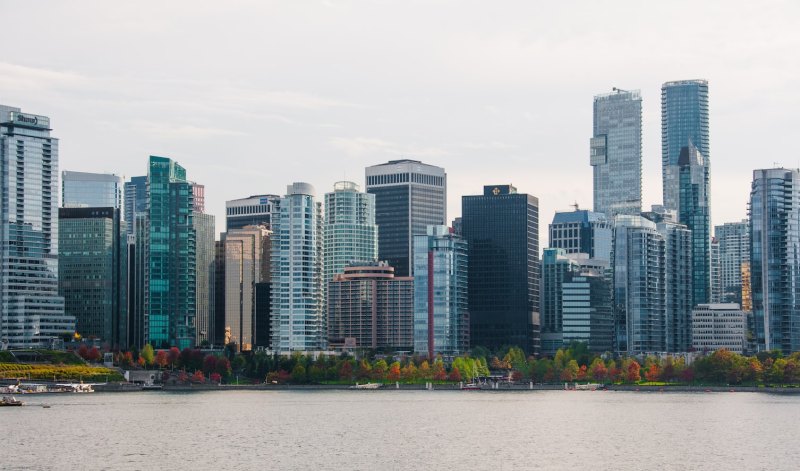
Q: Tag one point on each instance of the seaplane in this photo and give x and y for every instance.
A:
(77, 387)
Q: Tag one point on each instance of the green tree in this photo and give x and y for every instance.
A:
(299, 374)
(148, 354)
(570, 371)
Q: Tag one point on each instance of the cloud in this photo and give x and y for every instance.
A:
(170, 130)
(368, 146)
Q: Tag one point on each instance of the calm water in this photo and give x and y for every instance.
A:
(411, 430)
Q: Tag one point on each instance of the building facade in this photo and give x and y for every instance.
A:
(734, 253)
(298, 322)
(91, 190)
(368, 304)
(556, 268)
(582, 231)
(501, 228)
(678, 283)
(588, 314)
(135, 201)
(351, 235)
(684, 121)
(718, 326)
(255, 210)
(92, 272)
(693, 211)
(616, 153)
(775, 258)
(245, 250)
(205, 307)
(409, 197)
(441, 318)
(31, 310)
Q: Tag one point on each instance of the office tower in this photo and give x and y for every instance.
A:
(244, 270)
(747, 293)
(716, 326)
(684, 122)
(137, 285)
(582, 231)
(639, 288)
(31, 310)
(171, 294)
(441, 318)
(205, 307)
(350, 232)
(716, 272)
(588, 315)
(368, 304)
(255, 210)
(734, 253)
(501, 228)
(135, 201)
(263, 317)
(458, 226)
(775, 258)
(91, 190)
(678, 282)
(217, 335)
(409, 197)
(92, 272)
(693, 211)
(616, 153)
(556, 267)
(298, 323)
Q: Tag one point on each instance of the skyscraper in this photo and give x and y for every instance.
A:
(501, 228)
(255, 210)
(92, 272)
(716, 269)
(775, 258)
(298, 323)
(409, 196)
(135, 201)
(91, 190)
(678, 283)
(582, 231)
(370, 305)
(684, 121)
(587, 311)
(693, 211)
(441, 318)
(244, 260)
(734, 252)
(556, 267)
(171, 273)
(350, 231)
(31, 310)
(616, 153)
(205, 307)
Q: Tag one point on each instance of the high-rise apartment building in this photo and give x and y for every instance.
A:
(775, 258)
(588, 315)
(171, 270)
(616, 153)
(582, 231)
(91, 190)
(137, 282)
(205, 307)
(31, 310)
(556, 267)
(441, 318)
(501, 228)
(716, 272)
(368, 304)
(255, 210)
(409, 197)
(678, 282)
(351, 235)
(298, 322)
(92, 272)
(218, 334)
(135, 201)
(693, 211)
(734, 252)
(684, 122)
(245, 250)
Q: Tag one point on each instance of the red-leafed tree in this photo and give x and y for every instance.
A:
(172, 356)
(161, 359)
(652, 373)
(216, 378)
(454, 375)
(183, 377)
(209, 364)
(582, 373)
(198, 377)
(94, 354)
(394, 372)
(346, 371)
(439, 374)
(633, 372)
(83, 351)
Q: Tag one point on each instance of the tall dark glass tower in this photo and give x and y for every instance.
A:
(409, 197)
(684, 120)
(502, 232)
(693, 212)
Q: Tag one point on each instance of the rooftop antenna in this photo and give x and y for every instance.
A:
(575, 205)
(618, 90)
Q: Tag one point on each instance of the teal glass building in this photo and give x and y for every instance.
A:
(693, 211)
(351, 235)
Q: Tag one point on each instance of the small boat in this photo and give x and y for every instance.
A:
(366, 386)
(587, 387)
(152, 387)
(471, 387)
(10, 401)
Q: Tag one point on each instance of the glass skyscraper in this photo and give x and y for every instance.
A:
(298, 322)
(775, 258)
(91, 190)
(684, 121)
(501, 228)
(616, 153)
(135, 201)
(409, 197)
(92, 272)
(556, 267)
(693, 211)
(441, 319)
(171, 273)
(205, 308)
(734, 252)
(255, 210)
(587, 311)
(351, 235)
(244, 259)
(582, 231)
(31, 310)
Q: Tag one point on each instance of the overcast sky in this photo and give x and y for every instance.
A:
(250, 96)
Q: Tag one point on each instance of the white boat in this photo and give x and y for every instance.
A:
(587, 387)
(10, 401)
(76, 387)
(366, 386)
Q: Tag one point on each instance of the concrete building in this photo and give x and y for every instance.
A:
(31, 310)
(441, 319)
(718, 326)
(368, 304)
(616, 153)
(409, 197)
(257, 210)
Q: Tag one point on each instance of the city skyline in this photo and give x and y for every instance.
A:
(520, 99)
